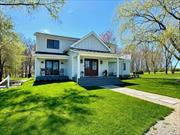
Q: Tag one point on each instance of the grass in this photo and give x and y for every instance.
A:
(68, 109)
(159, 83)
(19, 78)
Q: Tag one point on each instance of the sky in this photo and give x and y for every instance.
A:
(77, 18)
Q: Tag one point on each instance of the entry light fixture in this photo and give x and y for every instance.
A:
(81, 61)
(101, 62)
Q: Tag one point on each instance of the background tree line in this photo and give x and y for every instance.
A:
(16, 51)
(150, 31)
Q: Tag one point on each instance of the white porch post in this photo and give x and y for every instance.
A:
(36, 68)
(117, 73)
(78, 67)
(72, 66)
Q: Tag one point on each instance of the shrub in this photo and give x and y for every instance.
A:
(138, 72)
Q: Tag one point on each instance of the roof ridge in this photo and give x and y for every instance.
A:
(57, 35)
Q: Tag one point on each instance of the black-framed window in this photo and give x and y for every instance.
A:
(52, 67)
(52, 44)
(124, 66)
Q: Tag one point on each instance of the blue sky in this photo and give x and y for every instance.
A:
(78, 17)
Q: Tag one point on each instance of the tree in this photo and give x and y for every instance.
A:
(52, 6)
(11, 47)
(108, 37)
(28, 62)
(146, 21)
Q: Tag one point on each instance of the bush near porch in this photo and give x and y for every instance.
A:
(68, 109)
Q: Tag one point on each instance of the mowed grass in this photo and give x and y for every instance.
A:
(68, 109)
(159, 83)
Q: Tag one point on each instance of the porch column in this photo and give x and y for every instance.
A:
(117, 73)
(37, 68)
(72, 66)
(78, 67)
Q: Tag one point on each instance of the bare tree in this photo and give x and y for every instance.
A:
(28, 62)
(152, 21)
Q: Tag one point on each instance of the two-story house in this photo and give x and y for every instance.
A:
(60, 57)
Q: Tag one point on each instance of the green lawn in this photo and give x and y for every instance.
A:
(68, 109)
(159, 83)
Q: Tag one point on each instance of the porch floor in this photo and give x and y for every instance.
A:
(99, 81)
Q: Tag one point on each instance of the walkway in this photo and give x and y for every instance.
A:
(171, 124)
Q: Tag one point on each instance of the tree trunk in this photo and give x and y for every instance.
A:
(173, 68)
(166, 70)
(1, 72)
(147, 67)
(166, 66)
(26, 70)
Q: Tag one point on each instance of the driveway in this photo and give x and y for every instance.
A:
(171, 124)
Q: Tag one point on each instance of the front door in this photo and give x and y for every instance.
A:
(91, 67)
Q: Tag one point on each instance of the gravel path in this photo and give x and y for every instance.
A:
(171, 124)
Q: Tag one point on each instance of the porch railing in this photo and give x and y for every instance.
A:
(7, 80)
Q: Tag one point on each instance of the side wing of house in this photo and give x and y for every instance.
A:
(53, 43)
(50, 59)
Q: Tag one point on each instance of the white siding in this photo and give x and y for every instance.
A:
(127, 71)
(63, 65)
(91, 43)
(112, 68)
(103, 66)
(38, 66)
(41, 41)
(74, 68)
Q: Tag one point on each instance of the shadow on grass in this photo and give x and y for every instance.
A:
(93, 87)
(125, 84)
(36, 83)
(22, 112)
(153, 81)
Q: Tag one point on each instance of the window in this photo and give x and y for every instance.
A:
(124, 66)
(87, 64)
(53, 44)
(52, 67)
(94, 65)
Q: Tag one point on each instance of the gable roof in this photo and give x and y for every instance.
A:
(59, 36)
(88, 35)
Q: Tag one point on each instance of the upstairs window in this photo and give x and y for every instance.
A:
(124, 66)
(52, 44)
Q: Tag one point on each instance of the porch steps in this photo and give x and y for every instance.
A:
(99, 81)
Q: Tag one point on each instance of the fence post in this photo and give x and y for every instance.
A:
(8, 81)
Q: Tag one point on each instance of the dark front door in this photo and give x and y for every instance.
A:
(91, 67)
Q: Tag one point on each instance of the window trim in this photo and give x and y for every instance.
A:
(54, 47)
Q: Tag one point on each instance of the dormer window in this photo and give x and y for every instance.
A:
(52, 44)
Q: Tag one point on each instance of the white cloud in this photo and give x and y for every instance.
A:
(45, 31)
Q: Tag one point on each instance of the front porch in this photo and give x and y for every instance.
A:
(96, 64)
(51, 67)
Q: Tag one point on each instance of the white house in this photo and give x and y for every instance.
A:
(76, 58)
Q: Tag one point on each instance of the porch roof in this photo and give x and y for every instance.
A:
(51, 56)
(97, 54)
